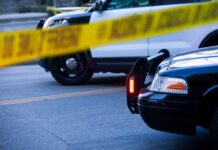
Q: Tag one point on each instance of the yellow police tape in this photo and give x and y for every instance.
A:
(17, 47)
(56, 10)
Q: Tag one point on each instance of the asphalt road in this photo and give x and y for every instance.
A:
(36, 113)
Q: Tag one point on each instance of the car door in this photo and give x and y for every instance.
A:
(115, 9)
(181, 41)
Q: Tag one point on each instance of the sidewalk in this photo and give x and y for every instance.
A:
(20, 21)
(7, 18)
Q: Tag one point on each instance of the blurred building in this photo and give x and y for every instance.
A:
(10, 6)
(67, 3)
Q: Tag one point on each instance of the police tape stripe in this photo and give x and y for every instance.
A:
(22, 46)
(56, 10)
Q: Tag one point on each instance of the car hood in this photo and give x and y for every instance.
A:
(66, 15)
(202, 57)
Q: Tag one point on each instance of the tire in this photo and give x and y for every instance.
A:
(214, 130)
(210, 40)
(70, 70)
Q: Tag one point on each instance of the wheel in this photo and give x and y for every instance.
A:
(214, 130)
(70, 70)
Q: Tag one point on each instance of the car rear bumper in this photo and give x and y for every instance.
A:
(165, 112)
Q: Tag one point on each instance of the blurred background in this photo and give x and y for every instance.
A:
(25, 14)
(22, 6)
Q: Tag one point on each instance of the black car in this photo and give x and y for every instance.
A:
(182, 94)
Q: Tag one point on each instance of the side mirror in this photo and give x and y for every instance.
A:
(99, 5)
(40, 24)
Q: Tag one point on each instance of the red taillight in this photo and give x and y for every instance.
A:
(132, 85)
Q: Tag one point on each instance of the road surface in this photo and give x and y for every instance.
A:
(37, 113)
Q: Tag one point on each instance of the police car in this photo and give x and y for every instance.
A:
(180, 96)
(78, 68)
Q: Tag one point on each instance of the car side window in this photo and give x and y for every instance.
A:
(119, 4)
(204, 0)
(168, 2)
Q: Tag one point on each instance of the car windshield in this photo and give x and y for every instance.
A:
(71, 3)
(116, 4)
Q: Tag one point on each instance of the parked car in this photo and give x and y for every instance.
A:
(78, 68)
(182, 95)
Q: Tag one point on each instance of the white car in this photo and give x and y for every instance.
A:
(78, 68)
